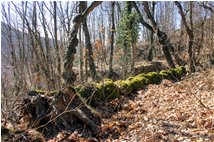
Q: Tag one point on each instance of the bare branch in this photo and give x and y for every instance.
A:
(142, 21)
(149, 14)
(183, 17)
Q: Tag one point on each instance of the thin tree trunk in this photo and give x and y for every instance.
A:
(12, 50)
(190, 33)
(125, 61)
(80, 46)
(39, 52)
(86, 65)
(112, 38)
(132, 58)
(191, 55)
(150, 54)
(163, 38)
(201, 42)
(89, 48)
(47, 44)
(103, 43)
(56, 44)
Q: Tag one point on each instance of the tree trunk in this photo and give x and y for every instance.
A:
(191, 55)
(12, 50)
(86, 65)
(125, 60)
(68, 75)
(163, 39)
(56, 44)
(89, 48)
(112, 38)
(190, 33)
(80, 46)
(150, 54)
(132, 58)
(81, 56)
(38, 49)
(47, 44)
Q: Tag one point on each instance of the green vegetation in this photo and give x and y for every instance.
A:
(124, 87)
(173, 73)
(108, 90)
(6, 131)
(127, 31)
(137, 82)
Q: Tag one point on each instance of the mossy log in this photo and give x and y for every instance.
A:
(108, 90)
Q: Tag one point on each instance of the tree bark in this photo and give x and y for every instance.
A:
(56, 44)
(190, 34)
(38, 49)
(80, 45)
(150, 53)
(68, 75)
(112, 38)
(163, 38)
(89, 47)
(47, 45)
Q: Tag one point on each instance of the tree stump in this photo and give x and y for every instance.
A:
(50, 112)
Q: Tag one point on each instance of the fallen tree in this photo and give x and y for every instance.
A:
(107, 90)
(50, 112)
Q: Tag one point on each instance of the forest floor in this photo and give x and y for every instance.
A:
(180, 111)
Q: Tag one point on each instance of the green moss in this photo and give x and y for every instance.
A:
(153, 77)
(99, 89)
(129, 79)
(137, 82)
(107, 90)
(181, 71)
(85, 91)
(6, 131)
(40, 91)
(164, 74)
(173, 73)
(124, 86)
(52, 93)
(110, 90)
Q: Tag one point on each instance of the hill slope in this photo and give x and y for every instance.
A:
(167, 112)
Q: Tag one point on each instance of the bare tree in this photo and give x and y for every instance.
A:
(162, 36)
(150, 54)
(68, 75)
(80, 45)
(89, 46)
(56, 42)
(10, 40)
(112, 38)
(189, 30)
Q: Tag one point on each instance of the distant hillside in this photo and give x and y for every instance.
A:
(16, 34)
